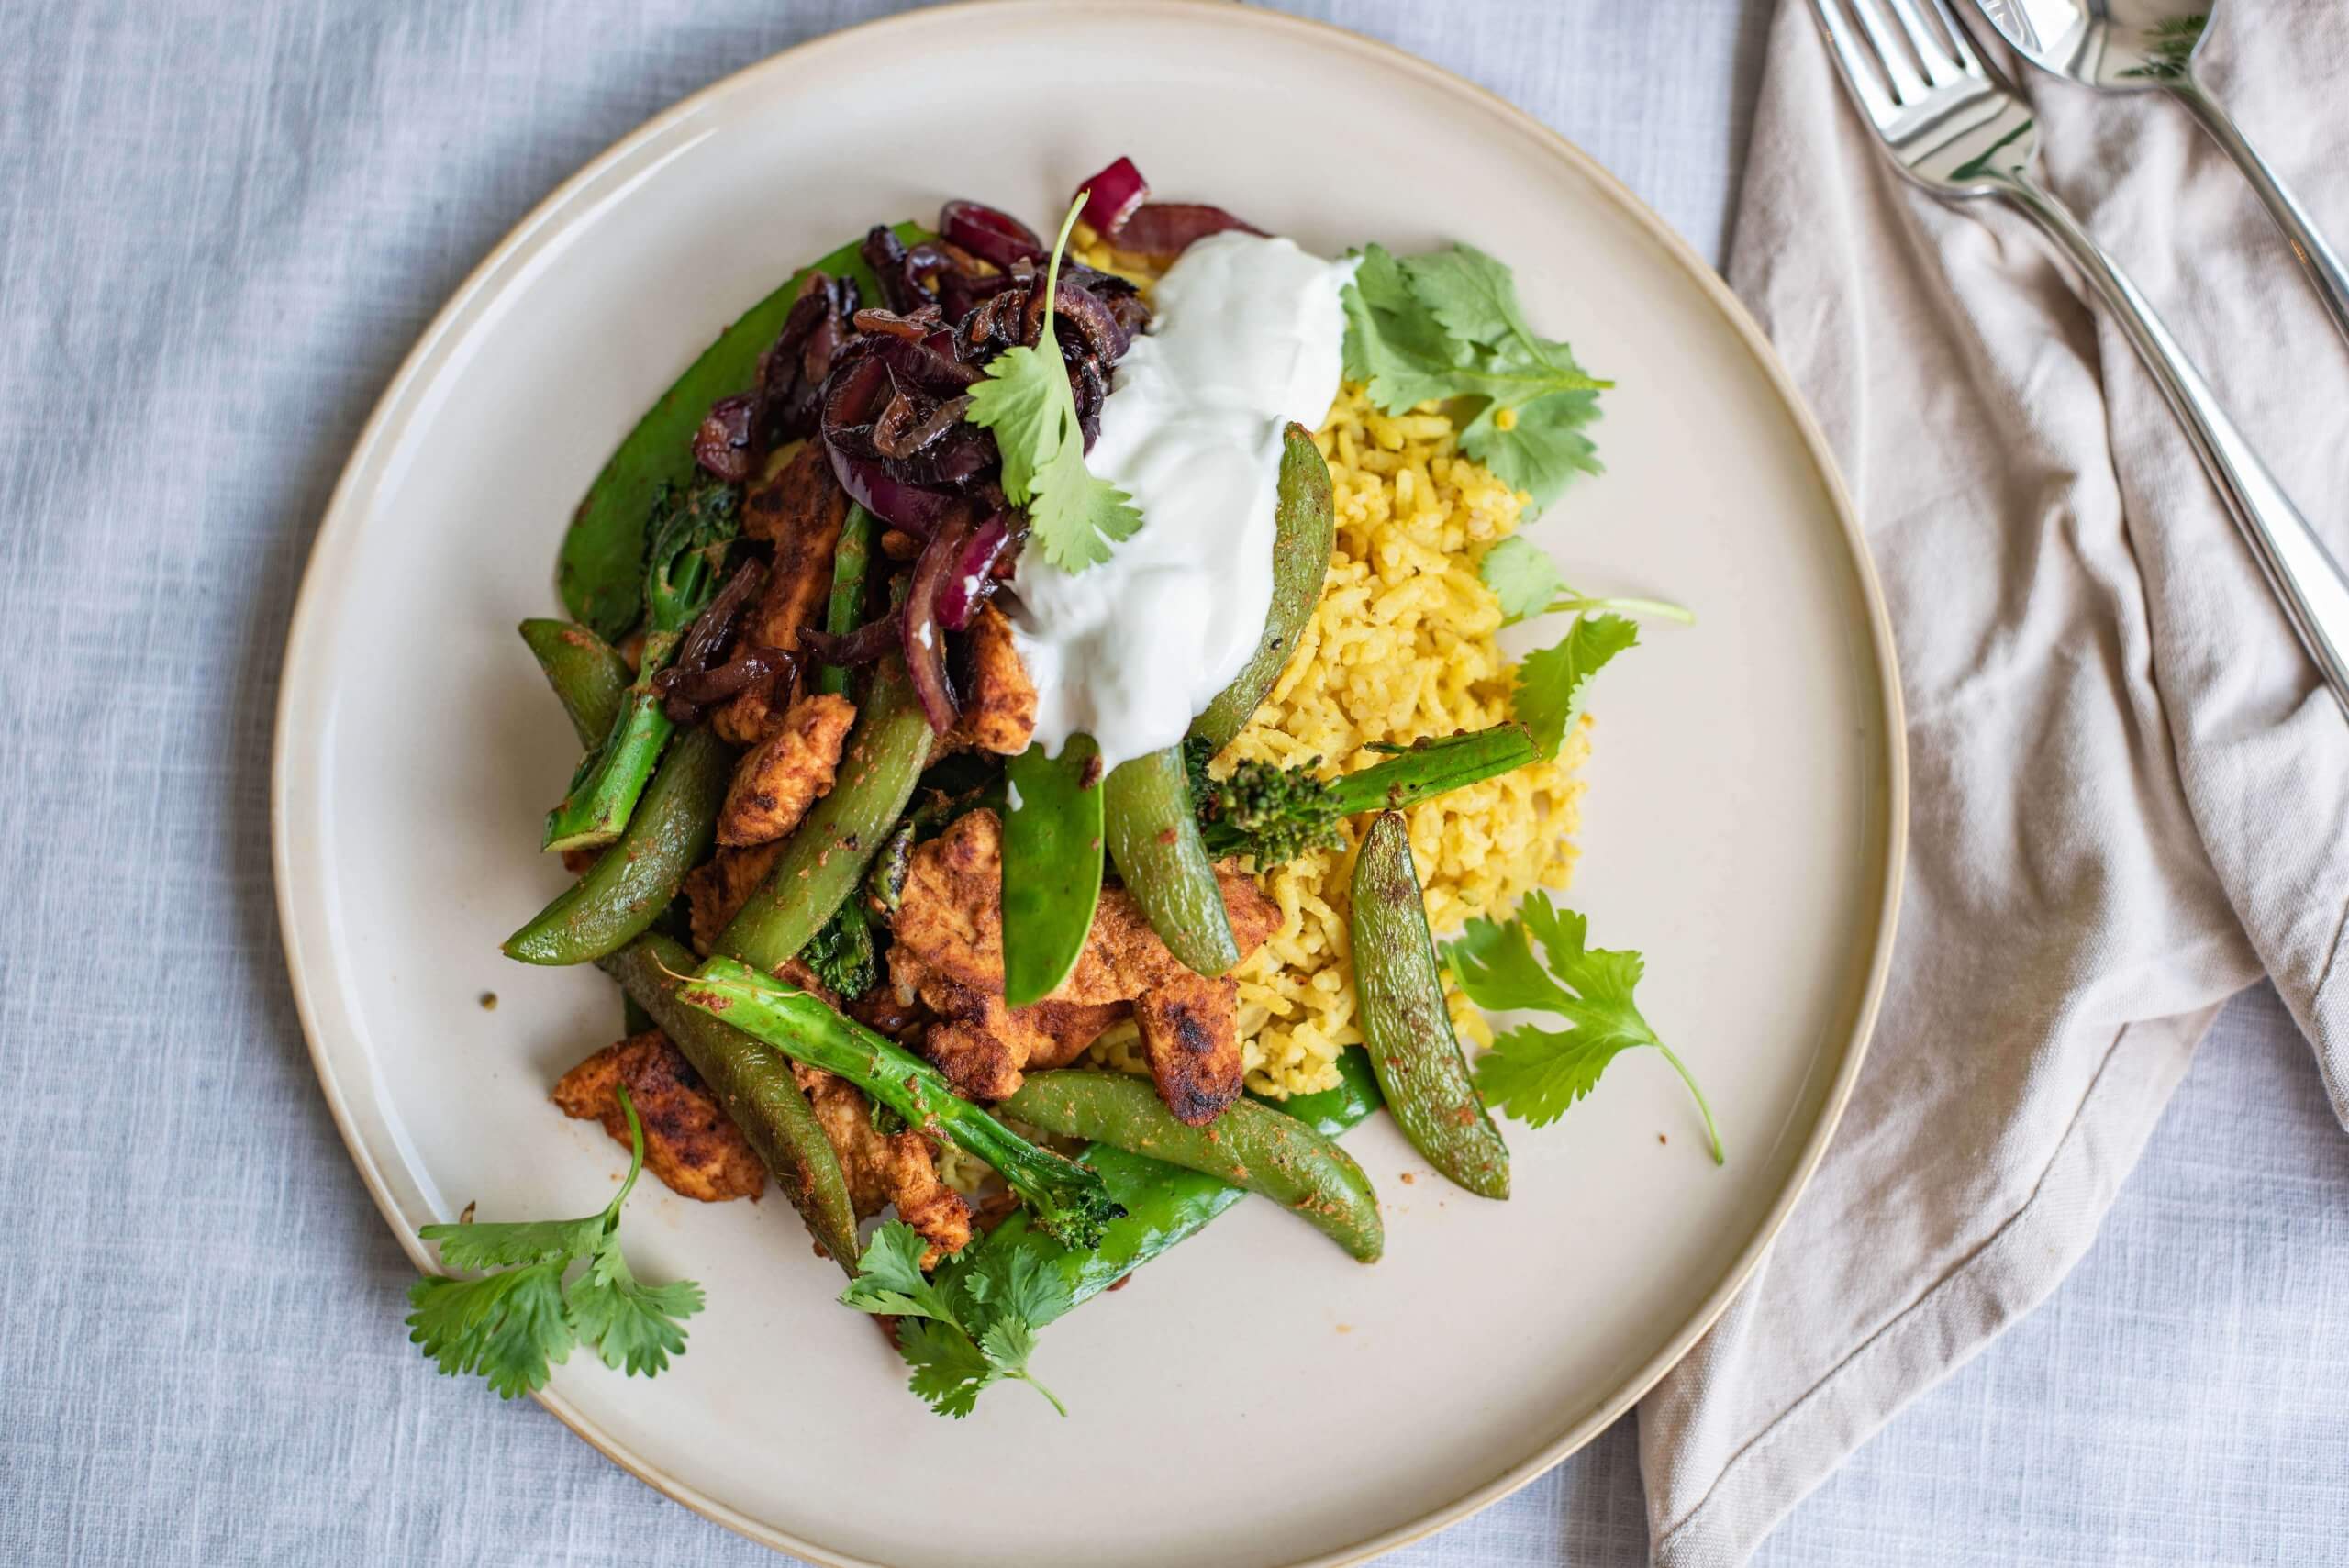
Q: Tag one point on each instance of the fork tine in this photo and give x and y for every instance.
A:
(1931, 52)
(1907, 85)
(1851, 59)
(1967, 61)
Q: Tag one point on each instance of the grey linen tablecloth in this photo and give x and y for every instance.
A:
(221, 225)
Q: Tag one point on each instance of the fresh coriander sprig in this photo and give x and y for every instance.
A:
(1533, 1073)
(959, 1342)
(1527, 583)
(511, 1327)
(1072, 513)
(1448, 326)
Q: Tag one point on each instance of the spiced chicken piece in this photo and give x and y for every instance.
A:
(718, 888)
(949, 951)
(999, 705)
(782, 776)
(798, 508)
(689, 1142)
(886, 1169)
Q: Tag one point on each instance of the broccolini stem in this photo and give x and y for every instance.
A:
(1068, 1200)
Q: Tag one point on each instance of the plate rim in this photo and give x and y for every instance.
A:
(386, 423)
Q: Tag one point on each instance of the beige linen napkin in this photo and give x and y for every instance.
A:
(2129, 793)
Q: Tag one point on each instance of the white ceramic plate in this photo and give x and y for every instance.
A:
(1254, 1397)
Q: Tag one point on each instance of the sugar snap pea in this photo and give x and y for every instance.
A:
(1165, 1204)
(1051, 867)
(825, 855)
(602, 565)
(669, 833)
(1153, 839)
(1250, 1146)
(588, 676)
(1304, 523)
(755, 1085)
(1399, 984)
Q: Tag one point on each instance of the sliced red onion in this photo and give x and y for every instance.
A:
(925, 640)
(906, 506)
(1111, 196)
(861, 645)
(990, 235)
(723, 444)
(974, 580)
(1168, 229)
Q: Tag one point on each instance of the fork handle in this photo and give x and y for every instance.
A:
(2317, 258)
(2307, 580)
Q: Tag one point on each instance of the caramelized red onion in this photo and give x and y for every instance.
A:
(861, 645)
(991, 236)
(924, 639)
(1112, 196)
(973, 578)
(1169, 229)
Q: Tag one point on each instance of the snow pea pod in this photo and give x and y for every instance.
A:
(755, 1085)
(825, 855)
(601, 568)
(1154, 837)
(1165, 1204)
(1249, 1145)
(1399, 983)
(1303, 526)
(1051, 867)
(669, 833)
(589, 678)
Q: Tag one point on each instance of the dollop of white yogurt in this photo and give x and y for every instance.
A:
(1247, 333)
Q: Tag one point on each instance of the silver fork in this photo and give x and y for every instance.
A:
(1955, 129)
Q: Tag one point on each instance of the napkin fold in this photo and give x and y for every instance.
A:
(2129, 792)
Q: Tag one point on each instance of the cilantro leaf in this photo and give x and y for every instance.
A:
(949, 1372)
(507, 1327)
(1448, 326)
(1554, 684)
(1025, 398)
(512, 1328)
(1536, 1075)
(1522, 575)
(958, 1343)
(496, 1246)
(632, 1326)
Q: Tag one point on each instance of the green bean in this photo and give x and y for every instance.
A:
(1250, 1146)
(825, 856)
(588, 676)
(601, 568)
(1051, 867)
(755, 1085)
(1154, 842)
(624, 892)
(844, 612)
(1304, 523)
(1399, 985)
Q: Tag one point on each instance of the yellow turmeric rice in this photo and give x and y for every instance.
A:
(1401, 649)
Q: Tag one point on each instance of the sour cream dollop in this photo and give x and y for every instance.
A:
(1247, 334)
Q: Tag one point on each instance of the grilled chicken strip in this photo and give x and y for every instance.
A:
(949, 951)
(718, 888)
(898, 1168)
(798, 508)
(999, 708)
(689, 1142)
(782, 776)
(1190, 1033)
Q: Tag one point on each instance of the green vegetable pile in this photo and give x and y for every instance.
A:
(649, 553)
